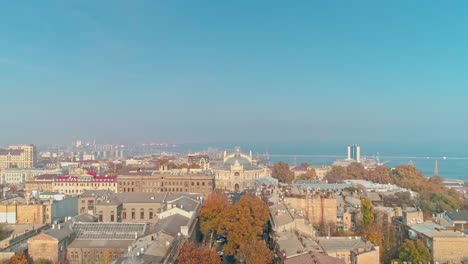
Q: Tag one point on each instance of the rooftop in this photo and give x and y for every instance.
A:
(109, 231)
(334, 244)
(458, 216)
(430, 229)
(100, 243)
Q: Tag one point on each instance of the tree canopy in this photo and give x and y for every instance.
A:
(282, 172)
(414, 252)
(367, 211)
(212, 208)
(189, 254)
(309, 175)
(257, 252)
(20, 259)
(243, 223)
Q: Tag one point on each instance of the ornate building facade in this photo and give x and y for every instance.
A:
(237, 171)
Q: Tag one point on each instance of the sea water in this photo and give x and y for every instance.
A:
(452, 157)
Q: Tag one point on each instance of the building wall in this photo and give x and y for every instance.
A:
(44, 185)
(450, 249)
(63, 208)
(188, 183)
(370, 257)
(141, 208)
(80, 186)
(44, 246)
(104, 212)
(23, 156)
(22, 214)
(244, 179)
(319, 208)
(93, 255)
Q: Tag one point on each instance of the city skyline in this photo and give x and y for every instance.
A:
(243, 71)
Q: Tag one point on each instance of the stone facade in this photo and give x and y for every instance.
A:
(78, 184)
(22, 156)
(237, 172)
(450, 249)
(45, 247)
(318, 208)
(148, 182)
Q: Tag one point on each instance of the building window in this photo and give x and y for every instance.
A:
(133, 215)
(124, 215)
(142, 215)
(151, 215)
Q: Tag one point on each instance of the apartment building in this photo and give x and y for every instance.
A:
(19, 156)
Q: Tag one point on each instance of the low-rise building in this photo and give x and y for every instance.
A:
(284, 219)
(352, 250)
(74, 185)
(22, 211)
(19, 176)
(42, 183)
(52, 244)
(445, 246)
(152, 182)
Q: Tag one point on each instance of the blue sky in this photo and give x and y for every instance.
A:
(208, 71)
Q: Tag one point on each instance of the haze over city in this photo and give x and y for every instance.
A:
(207, 71)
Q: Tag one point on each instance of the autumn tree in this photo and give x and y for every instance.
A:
(380, 174)
(212, 208)
(355, 170)
(189, 254)
(257, 252)
(243, 223)
(336, 174)
(282, 173)
(414, 252)
(309, 175)
(367, 211)
(20, 259)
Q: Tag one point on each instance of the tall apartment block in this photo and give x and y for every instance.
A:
(18, 156)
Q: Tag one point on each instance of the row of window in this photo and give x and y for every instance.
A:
(85, 184)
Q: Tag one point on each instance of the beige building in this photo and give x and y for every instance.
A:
(19, 176)
(140, 207)
(41, 183)
(22, 211)
(352, 250)
(317, 208)
(73, 185)
(237, 171)
(446, 246)
(20, 156)
(151, 182)
(284, 219)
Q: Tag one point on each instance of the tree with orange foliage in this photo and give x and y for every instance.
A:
(309, 175)
(282, 173)
(189, 254)
(243, 223)
(20, 259)
(257, 252)
(212, 208)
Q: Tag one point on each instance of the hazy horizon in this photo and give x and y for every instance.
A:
(240, 71)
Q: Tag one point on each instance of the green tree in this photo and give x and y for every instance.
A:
(43, 261)
(282, 172)
(367, 211)
(414, 252)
